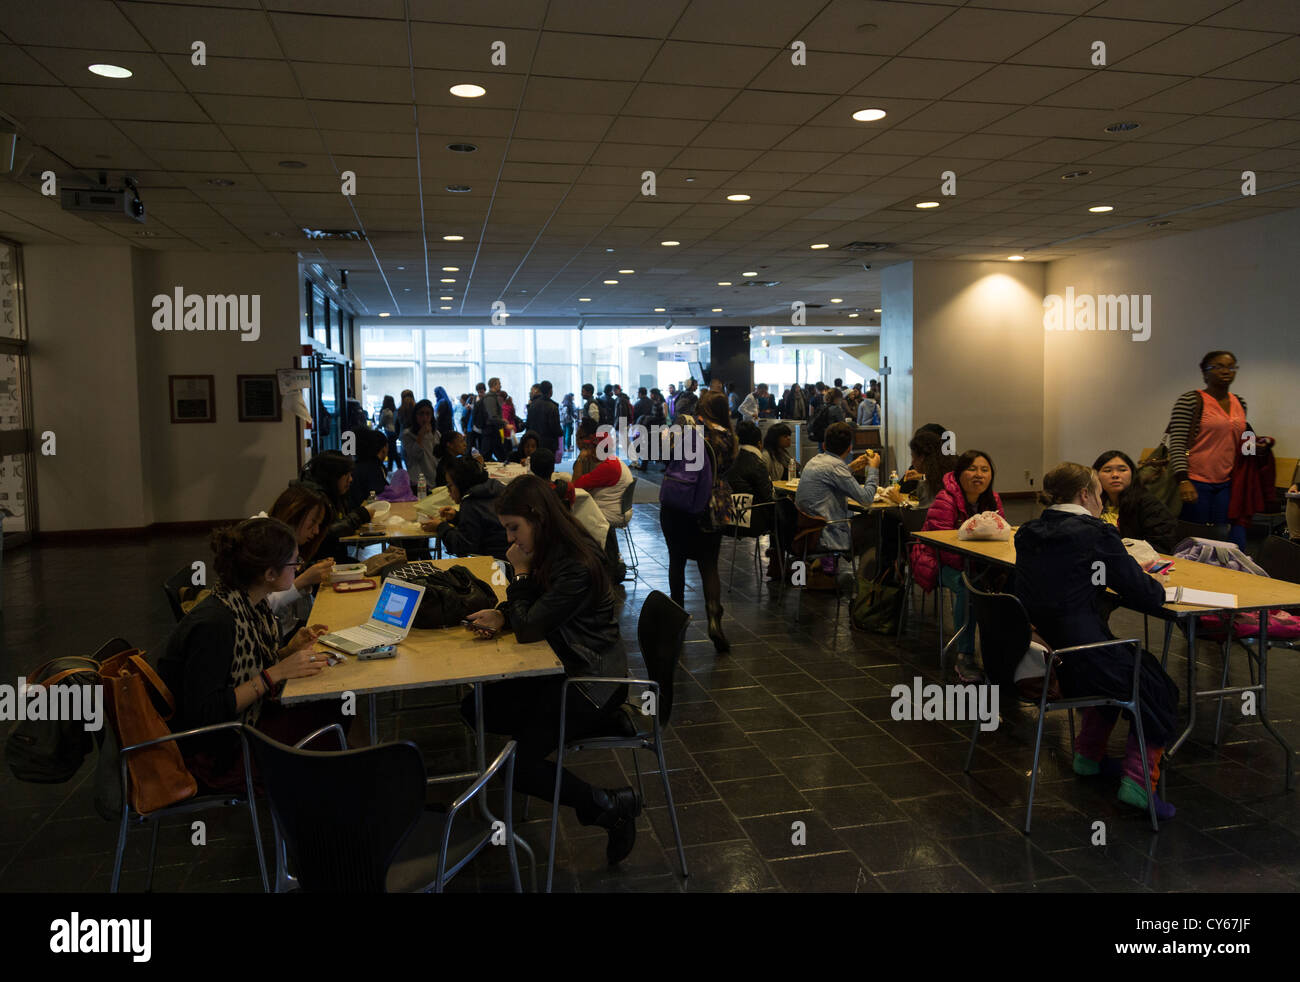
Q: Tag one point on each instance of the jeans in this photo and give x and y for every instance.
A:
(951, 579)
(1211, 508)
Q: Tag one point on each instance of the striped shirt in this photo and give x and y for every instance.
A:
(1184, 424)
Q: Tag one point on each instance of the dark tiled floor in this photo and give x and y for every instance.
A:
(788, 771)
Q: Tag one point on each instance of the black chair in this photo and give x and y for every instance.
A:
(808, 545)
(181, 580)
(355, 821)
(752, 522)
(1189, 530)
(913, 519)
(1004, 635)
(661, 632)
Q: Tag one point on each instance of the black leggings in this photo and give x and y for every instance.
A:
(528, 711)
(686, 541)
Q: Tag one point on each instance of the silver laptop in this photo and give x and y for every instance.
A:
(390, 621)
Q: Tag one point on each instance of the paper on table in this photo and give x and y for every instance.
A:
(1201, 598)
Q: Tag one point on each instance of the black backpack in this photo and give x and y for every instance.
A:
(818, 429)
(450, 595)
(480, 418)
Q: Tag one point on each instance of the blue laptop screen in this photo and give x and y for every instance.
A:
(396, 605)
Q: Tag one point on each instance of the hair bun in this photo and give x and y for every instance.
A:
(1046, 499)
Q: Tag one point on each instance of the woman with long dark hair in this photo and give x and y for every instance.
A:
(304, 510)
(699, 537)
(331, 473)
(1058, 556)
(391, 429)
(967, 491)
(445, 417)
(776, 452)
(561, 595)
(224, 661)
(1131, 508)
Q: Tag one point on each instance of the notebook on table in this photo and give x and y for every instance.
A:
(389, 623)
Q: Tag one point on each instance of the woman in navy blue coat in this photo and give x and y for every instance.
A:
(1065, 560)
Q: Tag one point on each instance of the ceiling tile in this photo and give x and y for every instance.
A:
(706, 64)
(760, 22)
(1279, 63)
(70, 24)
(678, 101)
(592, 56)
(825, 71)
(1071, 46)
(985, 35)
(1196, 50)
(791, 108)
(883, 28)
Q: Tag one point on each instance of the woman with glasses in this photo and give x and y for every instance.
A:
(224, 661)
(1204, 436)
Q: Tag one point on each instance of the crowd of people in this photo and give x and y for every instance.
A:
(229, 657)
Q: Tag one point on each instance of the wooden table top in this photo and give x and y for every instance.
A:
(1252, 592)
(447, 656)
(410, 530)
(791, 487)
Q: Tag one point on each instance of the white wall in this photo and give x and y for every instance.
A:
(99, 381)
(1235, 287)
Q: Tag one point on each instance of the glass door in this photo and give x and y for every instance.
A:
(17, 442)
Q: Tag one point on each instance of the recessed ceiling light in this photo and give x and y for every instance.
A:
(836, 300)
(461, 147)
(611, 282)
(110, 71)
(627, 272)
(853, 315)
(748, 274)
(446, 298)
(875, 310)
(669, 242)
(445, 269)
(724, 282)
(1101, 208)
(401, 267)
(406, 289)
(609, 250)
(584, 300)
(927, 204)
(717, 310)
(444, 308)
(447, 280)
(453, 238)
(1074, 174)
(1015, 259)
(690, 180)
(467, 91)
(841, 334)
(293, 164)
(737, 197)
(459, 188)
(220, 182)
(1125, 127)
(384, 314)
(660, 310)
(820, 245)
(869, 115)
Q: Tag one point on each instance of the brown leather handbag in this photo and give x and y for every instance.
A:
(138, 704)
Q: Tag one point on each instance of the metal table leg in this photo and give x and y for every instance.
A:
(1263, 697)
(1191, 690)
(374, 719)
(480, 759)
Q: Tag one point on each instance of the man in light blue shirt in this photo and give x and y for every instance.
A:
(827, 482)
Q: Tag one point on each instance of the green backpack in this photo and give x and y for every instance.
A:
(878, 604)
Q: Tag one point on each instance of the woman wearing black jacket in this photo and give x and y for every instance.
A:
(748, 475)
(368, 475)
(331, 473)
(1058, 558)
(1126, 504)
(474, 529)
(560, 595)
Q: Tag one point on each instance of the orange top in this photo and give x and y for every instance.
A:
(1218, 441)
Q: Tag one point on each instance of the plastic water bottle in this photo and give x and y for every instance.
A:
(373, 497)
(422, 486)
(893, 477)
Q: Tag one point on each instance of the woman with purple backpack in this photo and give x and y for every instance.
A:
(695, 504)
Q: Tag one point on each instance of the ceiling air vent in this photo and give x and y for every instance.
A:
(866, 246)
(347, 234)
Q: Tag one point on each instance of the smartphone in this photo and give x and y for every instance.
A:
(1161, 566)
(383, 651)
(484, 632)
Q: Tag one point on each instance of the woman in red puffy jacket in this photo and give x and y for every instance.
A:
(967, 491)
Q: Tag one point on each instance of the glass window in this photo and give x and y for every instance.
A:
(508, 355)
(11, 325)
(13, 492)
(602, 357)
(319, 317)
(557, 361)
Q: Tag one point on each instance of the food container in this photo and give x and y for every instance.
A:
(349, 571)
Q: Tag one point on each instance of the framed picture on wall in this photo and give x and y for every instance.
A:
(192, 399)
(259, 398)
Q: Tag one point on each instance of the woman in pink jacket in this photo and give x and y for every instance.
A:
(967, 491)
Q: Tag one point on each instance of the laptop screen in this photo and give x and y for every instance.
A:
(396, 604)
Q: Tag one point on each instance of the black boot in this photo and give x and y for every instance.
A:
(619, 810)
(719, 639)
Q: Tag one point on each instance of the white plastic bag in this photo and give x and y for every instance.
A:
(987, 525)
(1142, 551)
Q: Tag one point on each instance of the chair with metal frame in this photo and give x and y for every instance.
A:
(913, 519)
(1280, 558)
(200, 803)
(807, 544)
(745, 527)
(661, 632)
(356, 821)
(1004, 634)
(172, 587)
(625, 508)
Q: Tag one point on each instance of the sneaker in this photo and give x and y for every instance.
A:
(968, 672)
(1131, 793)
(1108, 767)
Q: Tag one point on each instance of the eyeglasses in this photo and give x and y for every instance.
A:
(293, 564)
